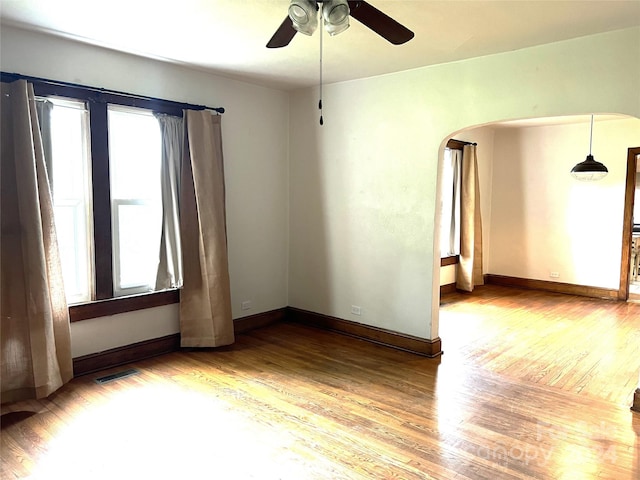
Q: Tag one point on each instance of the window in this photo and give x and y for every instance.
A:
(136, 203)
(107, 230)
(69, 168)
(450, 203)
(104, 162)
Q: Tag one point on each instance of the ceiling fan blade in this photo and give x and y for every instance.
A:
(283, 35)
(380, 23)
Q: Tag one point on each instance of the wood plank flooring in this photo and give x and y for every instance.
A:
(578, 344)
(293, 402)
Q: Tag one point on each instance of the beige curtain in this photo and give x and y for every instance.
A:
(35, 340)
(469, 272)
(169, 273)
(205, 299)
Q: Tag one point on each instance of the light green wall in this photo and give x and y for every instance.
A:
(363, 187)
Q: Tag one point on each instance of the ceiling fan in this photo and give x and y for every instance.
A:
(335, 13)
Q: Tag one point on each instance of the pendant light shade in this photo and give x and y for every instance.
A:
(589, 170)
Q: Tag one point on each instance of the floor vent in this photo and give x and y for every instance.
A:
(117, 376)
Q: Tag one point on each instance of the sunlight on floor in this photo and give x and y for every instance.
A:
(168, 432)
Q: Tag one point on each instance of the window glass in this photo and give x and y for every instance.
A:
(450, 203)
(136, 204)
(70, 173)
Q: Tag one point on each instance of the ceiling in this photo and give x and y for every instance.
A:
(228, 37)
(562, 120)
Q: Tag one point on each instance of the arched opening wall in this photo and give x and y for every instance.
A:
(363, 188)
(541, 227)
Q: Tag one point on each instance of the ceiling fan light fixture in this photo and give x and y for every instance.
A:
(304, 16)
(336, 16)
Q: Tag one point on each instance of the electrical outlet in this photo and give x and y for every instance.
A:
(554, 274)
(356, 310)
(246, 305)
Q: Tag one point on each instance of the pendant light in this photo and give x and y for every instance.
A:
(589, 170)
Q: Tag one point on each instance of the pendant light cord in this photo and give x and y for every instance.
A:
(320, 102)
(591, 135)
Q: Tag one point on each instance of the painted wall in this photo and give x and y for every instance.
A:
(447, 275)
(543, 219)
(255, 144)
(363, 187)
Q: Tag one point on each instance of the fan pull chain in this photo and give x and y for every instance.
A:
(320, 102)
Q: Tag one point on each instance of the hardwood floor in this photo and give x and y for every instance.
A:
(293, 402)
(578, 344)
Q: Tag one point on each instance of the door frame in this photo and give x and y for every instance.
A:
(627, 227)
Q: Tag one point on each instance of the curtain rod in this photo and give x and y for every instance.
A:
(458, 143)
(11, 77)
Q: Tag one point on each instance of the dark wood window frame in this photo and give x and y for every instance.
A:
(97, 100)
(450, 260)
(112, 306)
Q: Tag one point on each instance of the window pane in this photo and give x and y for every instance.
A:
(138, 245)
(71, 234)
(450, 204)
(134, 155)
(69, 164)
(134, 151)
(69, 150)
